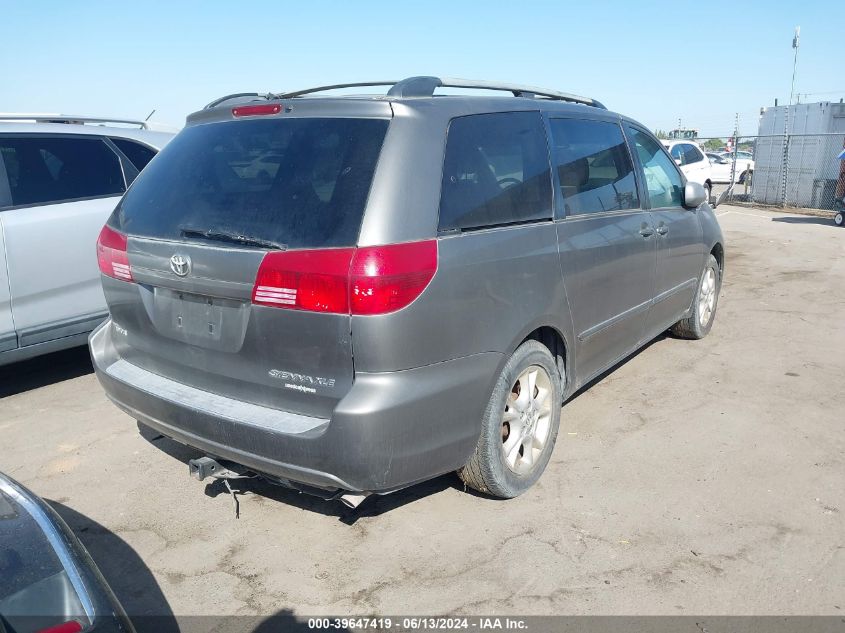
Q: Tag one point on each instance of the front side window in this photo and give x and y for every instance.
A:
(662, 179)
(45, 169)
(594, 167)
(677, 153)
(495, 172)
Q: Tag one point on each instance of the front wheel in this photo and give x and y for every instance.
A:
(839, 219)
(698, 324)
(519, 427)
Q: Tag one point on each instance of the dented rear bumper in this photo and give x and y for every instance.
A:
(391, 429)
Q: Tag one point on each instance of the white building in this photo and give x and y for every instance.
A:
(816, 133)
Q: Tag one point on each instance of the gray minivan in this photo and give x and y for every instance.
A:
(348, 295)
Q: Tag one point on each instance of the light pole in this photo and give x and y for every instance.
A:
(785, 166)
(795, 44)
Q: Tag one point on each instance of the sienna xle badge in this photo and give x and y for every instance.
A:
(348, 295)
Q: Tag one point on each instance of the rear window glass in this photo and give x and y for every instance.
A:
(298, 182)
(496, 171)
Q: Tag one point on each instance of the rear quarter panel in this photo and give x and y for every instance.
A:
(492, 287)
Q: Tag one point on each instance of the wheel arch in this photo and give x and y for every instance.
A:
(555, 341)
(718, 251)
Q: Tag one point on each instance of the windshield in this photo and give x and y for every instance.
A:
(296, 182)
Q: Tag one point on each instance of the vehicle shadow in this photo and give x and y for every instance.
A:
(128, 576)
(44, 370)
(373, 506)
(806, 219)
(284, 621)
(587, 386)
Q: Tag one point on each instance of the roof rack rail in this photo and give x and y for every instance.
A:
(68, 118)
(425, 86)
(239, 95)
(360, 84)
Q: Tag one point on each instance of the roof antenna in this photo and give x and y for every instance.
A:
(150, 114)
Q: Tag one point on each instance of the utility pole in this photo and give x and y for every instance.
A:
(736, 147)
(785, 166)
(795, 44)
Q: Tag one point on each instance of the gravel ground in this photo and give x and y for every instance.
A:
(697, 477)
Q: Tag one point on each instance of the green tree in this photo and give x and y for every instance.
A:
(712, 144)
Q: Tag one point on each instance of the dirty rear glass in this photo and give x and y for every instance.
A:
(302, 183)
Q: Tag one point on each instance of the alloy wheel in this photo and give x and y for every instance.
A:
(707, 297)
(526, 421)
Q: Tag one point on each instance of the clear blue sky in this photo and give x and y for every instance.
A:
(656, 61)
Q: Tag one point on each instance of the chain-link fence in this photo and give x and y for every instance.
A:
(786, 170)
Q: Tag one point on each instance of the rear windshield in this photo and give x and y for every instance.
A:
(300, 183)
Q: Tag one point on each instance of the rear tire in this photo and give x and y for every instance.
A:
(519, 427)
(698, 324)
(839, 219)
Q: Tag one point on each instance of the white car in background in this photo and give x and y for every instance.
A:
(60, 179)
(720, 167)
(692, 161)
(744, 164)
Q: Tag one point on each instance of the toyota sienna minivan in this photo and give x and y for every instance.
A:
(350, 294)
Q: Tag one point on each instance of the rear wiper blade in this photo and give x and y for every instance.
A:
(234, 238)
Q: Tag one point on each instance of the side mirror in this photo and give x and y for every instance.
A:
(678, 162)
(694, 195)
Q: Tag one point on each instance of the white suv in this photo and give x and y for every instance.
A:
(693, 163)
(60, 179)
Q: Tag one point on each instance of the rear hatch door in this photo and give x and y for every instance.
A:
(201, 218)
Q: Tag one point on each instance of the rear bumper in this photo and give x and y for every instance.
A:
(391, 430)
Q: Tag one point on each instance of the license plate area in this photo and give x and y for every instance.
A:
(209, 322)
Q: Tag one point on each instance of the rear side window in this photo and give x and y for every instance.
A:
(45, 169)
(298, 182)
(594, 166)
(692, 155)
(495, 171)
(139, 154)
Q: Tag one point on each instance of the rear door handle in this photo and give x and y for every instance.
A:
(662, 229)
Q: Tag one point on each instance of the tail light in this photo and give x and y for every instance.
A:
(387, 278)
(111, 254)
(367, 280)
(313, 280)
(71, 626)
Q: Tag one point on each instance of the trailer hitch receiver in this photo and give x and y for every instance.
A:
(204, 467)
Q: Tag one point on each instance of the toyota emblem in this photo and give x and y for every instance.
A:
(180, 264)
